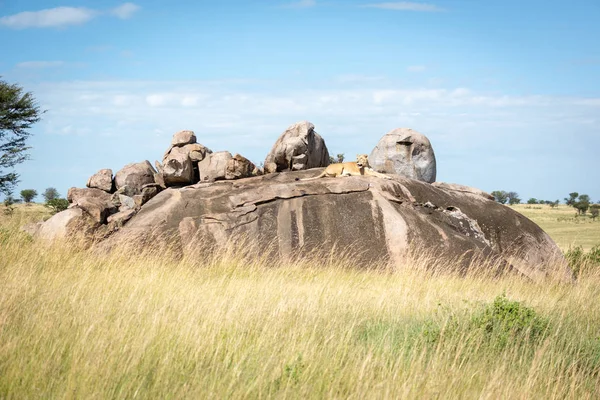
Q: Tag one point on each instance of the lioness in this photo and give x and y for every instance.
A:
(358, 167)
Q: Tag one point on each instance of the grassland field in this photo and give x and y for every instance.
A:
(75, 324)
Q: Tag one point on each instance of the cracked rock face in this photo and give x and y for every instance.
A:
(298, 148)
(405, 152)
(371, 219)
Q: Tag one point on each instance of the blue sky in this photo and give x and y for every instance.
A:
(508, 91)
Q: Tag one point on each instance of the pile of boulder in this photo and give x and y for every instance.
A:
(109, 201)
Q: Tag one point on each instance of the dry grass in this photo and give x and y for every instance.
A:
(74, 324)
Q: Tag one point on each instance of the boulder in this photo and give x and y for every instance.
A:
(298, 148)
(102, 180)
(405, 152)
(182, 138)
(214, 166)
(72, 222)
(177, 168)
(239, 167)
(96, 203)
(135, 176)
(196, 151)
(74, 194)
(371, 220)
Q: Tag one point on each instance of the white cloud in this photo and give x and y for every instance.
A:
(40, 64)
(61, 17)
(301, 4)
(406, 6)
(125, 11)
(156, 100)
(416, 68)
(49, 18)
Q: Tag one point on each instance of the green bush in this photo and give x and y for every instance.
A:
(509, 322)
(580, 261)
(57, 205)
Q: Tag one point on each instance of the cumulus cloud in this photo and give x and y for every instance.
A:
(406, 6)
(125, 11)
(61, 17)
(49, 18)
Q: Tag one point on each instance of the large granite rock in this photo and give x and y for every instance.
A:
(369, 219)
(405, 152)
(214, 166)
(102, 180)
(135, 176)
(67, 224)
(298, 148)
(177, 167)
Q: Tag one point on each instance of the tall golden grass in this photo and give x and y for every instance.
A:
(81, 324)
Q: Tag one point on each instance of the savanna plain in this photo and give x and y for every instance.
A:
(80, 324)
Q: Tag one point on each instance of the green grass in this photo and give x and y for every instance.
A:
(77, 324)
(563, 225)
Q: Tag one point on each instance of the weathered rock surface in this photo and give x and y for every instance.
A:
(102, 180)
(214, 166)
(298, 148)
(182, 138)
(405, 152)
(135, 176)
(97, 203)
(239, 167)
(368, 218)
(73, 222)
(463, 188)
(177, 167)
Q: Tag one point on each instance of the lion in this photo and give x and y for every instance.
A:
(355, 168)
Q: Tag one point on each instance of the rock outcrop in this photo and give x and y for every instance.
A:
(405, 152)
(367, 218)
(300, 147)
(200, 201)
(135, 176)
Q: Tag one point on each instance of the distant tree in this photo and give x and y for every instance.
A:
(595, 210)
(501, 196)
(50, 194)
(554, 204)
(18, 112)
(28, 194)
(513, 198)
(532, 200)
(571, 199)
(57, 205)
(338, 159)
(582, 204)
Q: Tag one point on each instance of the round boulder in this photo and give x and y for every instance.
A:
(405, 152)
(135, 176)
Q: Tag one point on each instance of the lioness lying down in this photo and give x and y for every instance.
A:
(358, 167)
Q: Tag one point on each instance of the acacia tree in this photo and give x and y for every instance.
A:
(513, 198)
(501, 196)
(18, 112)
(50, 194)
(28, 195)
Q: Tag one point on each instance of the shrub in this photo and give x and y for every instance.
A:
(57, 205)
(580, 261)
(509, 322)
